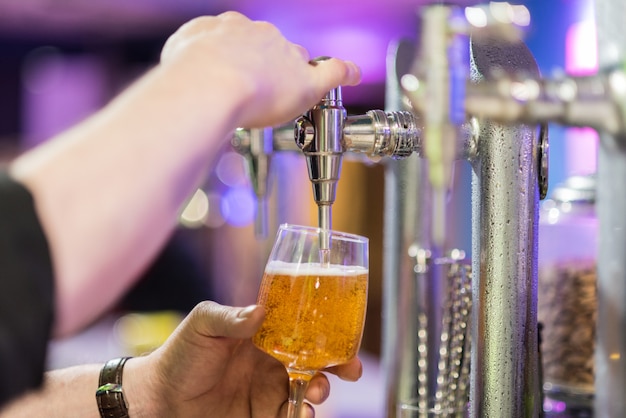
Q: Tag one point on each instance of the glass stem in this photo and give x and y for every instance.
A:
(297, 389)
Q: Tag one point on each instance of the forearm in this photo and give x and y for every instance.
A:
(66, 392)
(104, 216)
(71, 392)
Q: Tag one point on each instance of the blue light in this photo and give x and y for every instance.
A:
(238, 206)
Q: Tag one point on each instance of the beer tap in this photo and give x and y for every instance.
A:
(256, 147)
(442, 88)
(319, 134)
(436, 85)
(325, 133)
(434, 88)
(597, 101)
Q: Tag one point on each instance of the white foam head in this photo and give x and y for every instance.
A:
(309, 269)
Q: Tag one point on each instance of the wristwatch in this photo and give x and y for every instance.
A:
(110, 398)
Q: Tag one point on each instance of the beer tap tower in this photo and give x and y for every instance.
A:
(507, 162)
(471, 90)
(510, 173)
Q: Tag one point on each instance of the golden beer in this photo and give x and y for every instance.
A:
(314, 314)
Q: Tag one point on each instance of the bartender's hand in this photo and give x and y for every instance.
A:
(210, 368)
(279, 83)
(152, 146)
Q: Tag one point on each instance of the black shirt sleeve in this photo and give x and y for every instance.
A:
(26, 292)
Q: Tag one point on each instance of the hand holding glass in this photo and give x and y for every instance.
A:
(314, 310)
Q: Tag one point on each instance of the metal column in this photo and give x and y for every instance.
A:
(610, 358)
(505, 195)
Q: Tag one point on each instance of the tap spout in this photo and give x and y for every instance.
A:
(319, 134)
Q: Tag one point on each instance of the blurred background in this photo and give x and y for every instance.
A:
(60, 60)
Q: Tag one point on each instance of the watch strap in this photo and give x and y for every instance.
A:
(110, 397)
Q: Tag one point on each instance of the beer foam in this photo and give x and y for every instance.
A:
(313, 269)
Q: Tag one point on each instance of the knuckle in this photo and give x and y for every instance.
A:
(232, 15)
(196, 24)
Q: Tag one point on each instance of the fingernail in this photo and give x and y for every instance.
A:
(324, 393)
(317, 60)
(246, 312)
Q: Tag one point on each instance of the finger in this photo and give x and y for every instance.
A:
(335, 72)
(354, 74)
(168, 47)
(215, 320)
(350, 371)
(318, 389)
(235, 16)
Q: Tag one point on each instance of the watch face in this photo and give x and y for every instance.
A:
(109, 388)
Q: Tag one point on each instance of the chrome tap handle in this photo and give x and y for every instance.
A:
(319, 134)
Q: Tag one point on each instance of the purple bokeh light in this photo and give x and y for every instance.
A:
(357, 31)
(238, 206)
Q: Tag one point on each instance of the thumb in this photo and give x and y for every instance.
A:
(214, 320)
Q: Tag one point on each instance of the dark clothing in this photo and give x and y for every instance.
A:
(176, 280)
(26, 292)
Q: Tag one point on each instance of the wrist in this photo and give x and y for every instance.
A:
(139, 389)
(110, 393)
(125, 389)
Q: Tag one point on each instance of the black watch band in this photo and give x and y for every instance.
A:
(109, 395)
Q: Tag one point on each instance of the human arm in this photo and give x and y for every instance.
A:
(208, 367)
(108, 192)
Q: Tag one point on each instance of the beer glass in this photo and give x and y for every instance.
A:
(315, 302)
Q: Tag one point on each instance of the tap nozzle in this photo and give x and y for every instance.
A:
(319, 134)
(256, 147)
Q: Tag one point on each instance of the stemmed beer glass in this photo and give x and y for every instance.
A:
(315, 302)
